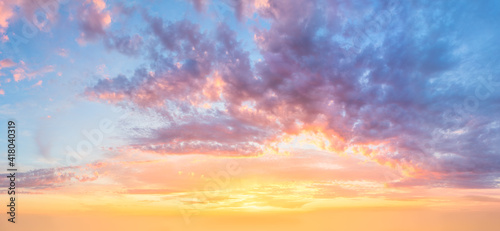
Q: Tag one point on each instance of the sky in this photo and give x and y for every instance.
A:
(252, 114)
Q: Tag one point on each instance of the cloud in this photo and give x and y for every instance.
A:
(204, 135)
(12, 10)
(6, 12)
(199, 5)
(316, 172)
(128, 45)
(38, 84)
(40, 179)
(6, 63)
(176, 75)
(383, 80)
(93, 19)
(23, 72)
(384, 95)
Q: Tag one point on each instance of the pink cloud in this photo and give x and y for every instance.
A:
(27, 10)
(94, 20)
(23, 72)
(38, 84)
(6, 63)
(6, 12)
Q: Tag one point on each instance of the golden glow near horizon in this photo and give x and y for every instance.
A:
(269, 115)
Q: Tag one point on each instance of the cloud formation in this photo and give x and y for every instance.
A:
(398, 82)
(94, 19)
(51, 178)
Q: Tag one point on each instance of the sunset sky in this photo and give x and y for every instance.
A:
(252, 114)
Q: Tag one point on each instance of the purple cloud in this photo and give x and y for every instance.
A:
(391, 79)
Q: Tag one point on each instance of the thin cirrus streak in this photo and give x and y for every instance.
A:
(260, 113)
